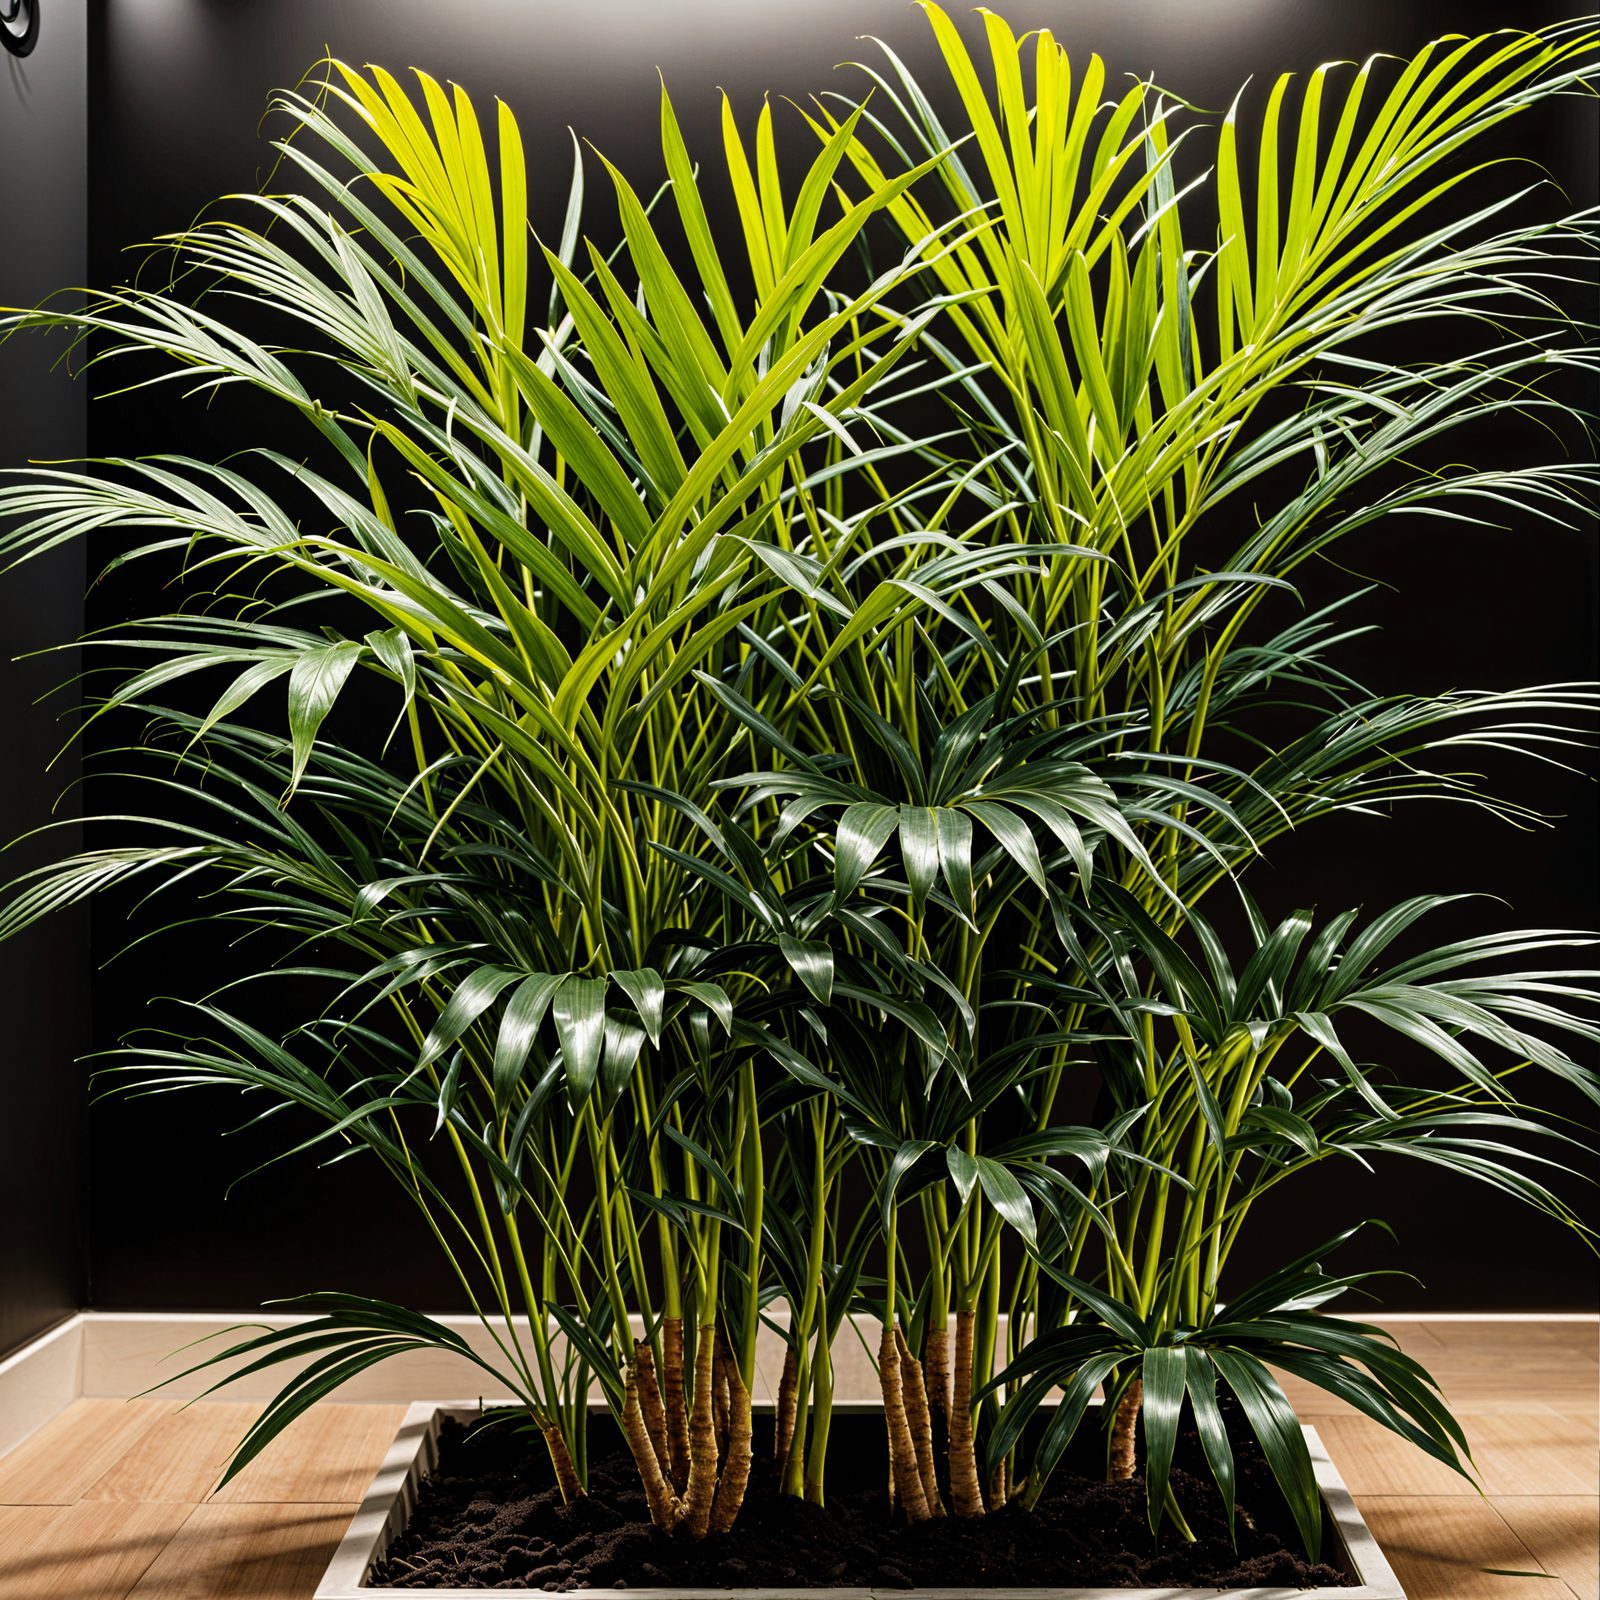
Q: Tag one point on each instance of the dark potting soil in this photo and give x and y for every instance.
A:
(491, 1517)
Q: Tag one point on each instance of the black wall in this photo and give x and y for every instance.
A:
(44, 987)
(181, 87)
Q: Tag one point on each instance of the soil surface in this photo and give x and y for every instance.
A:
(491, 1517)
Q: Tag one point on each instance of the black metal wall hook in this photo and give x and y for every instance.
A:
(19, 25)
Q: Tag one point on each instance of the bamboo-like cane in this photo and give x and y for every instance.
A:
(966, 1497)
(821, 1412)
(917, 1419)
(665, 1508)
(655, 1417)
(902, 1451)
(1122, 1431)
(677, 1411)
(561, 1460)
(936, 1373)
(721, 1395)
(736, 1461)
(695, 1515)
(788, 1405)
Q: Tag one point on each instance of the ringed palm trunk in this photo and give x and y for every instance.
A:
(936, 1372)
(902, 1449)
(1123, 1428)
(665, 1506)
(736, 1462)
(655, 1417)
(561, 1459)
(712, 1499)
(722, 1397)
(677, 1420)
(700, 1492)
(921, 1425)
(788, 1406)
(966, 1495)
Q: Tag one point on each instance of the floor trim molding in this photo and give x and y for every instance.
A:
(119, 1354)
(43, 1377)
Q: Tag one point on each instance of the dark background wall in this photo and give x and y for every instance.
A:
(180, 89)
(44, 990)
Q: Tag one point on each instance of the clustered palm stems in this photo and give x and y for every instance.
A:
(823, 694)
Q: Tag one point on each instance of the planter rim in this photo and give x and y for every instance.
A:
(387, 1506)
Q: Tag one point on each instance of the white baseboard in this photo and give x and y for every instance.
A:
(118, 1354)
(42, 1378)
(1383, 1318)
(126, 1353)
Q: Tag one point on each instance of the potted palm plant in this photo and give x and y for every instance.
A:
(817, 712)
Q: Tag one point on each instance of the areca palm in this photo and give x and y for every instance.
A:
(785, 787)
(999, 985)
(608, 492)
(1136, 376)
(1114, 423)
(1201, 1069)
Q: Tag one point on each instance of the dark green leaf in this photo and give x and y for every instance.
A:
(624, 1041)
(1166, 1374)
(812, 963)
(955, 857)
(474, 995)
(905, 1158)
(1009, 1198)
(1013, 834)
(919, 848)
(1273, 1422)
(579, 1009)
(863, 831)
(714, 997)
(1202, 1383)
(314, 684)
(519, 1027)
(649, 995)
(964, 1171)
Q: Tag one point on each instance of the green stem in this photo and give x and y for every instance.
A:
(821, 1410)
(753, 1177)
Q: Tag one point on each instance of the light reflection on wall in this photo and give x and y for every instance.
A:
(607, 40)
(181, 65)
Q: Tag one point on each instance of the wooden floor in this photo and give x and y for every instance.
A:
(110, 1499)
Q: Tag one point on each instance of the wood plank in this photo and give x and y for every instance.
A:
(330, 1454)
(1552, 1380)
(1562, 1531)
(1521, 1455)
(248, 1552)
(1516, 1453)
(1475, 1399)
(1587, 1420)
(1555, 1384)
(1440, 1546)
(1538, 1359)
(181, 1457)
(64, 1459)
(1415, 1338)
(1580, 1339)
(82, 1552)
(20, 1528)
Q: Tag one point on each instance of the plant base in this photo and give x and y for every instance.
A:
(1349, 1545)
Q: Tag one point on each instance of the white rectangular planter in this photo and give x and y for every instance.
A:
(415, 1453)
